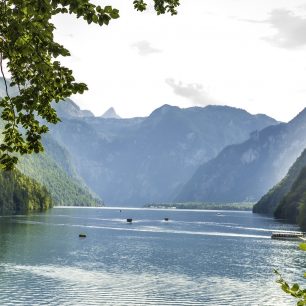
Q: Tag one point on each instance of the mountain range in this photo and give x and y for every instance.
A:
(197, 154)
(53, 168)
(246, 171)
(142, 160)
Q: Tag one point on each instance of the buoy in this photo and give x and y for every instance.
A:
(82, 235)
(166, 219)
(129, 220)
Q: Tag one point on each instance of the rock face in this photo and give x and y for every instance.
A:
(142, 160)
(248, 170)
(68, 109)
(110, 113)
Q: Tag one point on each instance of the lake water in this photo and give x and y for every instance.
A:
(196, 258)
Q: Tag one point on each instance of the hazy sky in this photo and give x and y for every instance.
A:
(249, 54)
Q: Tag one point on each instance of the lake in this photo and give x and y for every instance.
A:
(195, 258)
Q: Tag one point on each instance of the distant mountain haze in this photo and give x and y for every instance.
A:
(142, 160)
(139, 160)
(68, 109)
(248, 170)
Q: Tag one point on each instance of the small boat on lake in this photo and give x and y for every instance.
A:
(297, 236)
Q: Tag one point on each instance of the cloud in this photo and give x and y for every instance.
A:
(144, 48)
(194, 92)
(302, 6)
(290, 28)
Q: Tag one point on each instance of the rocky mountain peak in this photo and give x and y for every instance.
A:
(110, 113)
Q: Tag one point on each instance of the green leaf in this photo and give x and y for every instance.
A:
(295, 287)
(302, 246)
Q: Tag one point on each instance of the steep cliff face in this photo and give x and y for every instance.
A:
(142, 160)
(248, 170)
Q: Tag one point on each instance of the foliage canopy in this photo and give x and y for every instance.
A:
(28, 53)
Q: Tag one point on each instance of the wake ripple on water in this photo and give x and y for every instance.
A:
(153, 229)
(77, 286)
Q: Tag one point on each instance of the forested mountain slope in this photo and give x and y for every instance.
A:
(292, 207)
(269, 202)
(20, 194)
(54, 168)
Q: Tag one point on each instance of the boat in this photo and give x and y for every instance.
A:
(297, 236)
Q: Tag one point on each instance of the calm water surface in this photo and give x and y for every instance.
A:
(196, 258)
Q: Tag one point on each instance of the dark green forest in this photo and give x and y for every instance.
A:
(293, 206)
(20, 194)
(287, 199)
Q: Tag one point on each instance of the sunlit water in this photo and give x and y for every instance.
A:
(196, 258)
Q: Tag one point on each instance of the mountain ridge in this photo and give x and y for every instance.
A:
(248, 170)
(147, 159)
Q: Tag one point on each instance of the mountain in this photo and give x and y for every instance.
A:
(269, 202)
(20, 194)
(110, 113)
(139, 160)
(287, 199)
(292, 207)
(68, 109)
(142, 160)
(53, 168)
(248, 170)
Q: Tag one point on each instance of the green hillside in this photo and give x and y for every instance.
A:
(293, 206)
(20, 194)
(268, 203)
(54, 168)
(287, 199)
(64, 189)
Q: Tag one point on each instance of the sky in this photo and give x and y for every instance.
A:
(248, 54)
